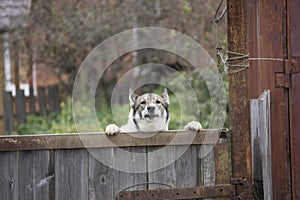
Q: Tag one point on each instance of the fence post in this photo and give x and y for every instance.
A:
(20, 104)
(8, 112)
(42, 101)
(32, 102)
(239, 105)
(2, 84)
(53, 98)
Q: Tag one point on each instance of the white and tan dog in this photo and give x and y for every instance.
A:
(148, 113)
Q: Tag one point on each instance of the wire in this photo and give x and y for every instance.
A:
(147, 183)
(217, 18)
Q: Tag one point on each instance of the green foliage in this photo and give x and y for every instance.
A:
(34, 125)
(63, 122)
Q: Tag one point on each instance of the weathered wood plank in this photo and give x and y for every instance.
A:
(53, 98)
(255, 146)
(33, 177)
(182, 170)
(20, 104)
(8, 176)
(8, 112)
(32, 102)
(71, 175)
(42, 101)
(187, 167)
(265, 143)
(95, 140)
(207, 171)
(161, 167)
(207, 175)
(101, 180)
(134, 161)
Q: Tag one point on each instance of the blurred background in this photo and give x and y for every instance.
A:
(43, 43)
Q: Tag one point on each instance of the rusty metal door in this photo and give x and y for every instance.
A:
(293, 7)
(273, 32)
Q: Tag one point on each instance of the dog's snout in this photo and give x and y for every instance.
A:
(151, 108)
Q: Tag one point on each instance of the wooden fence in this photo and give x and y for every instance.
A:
(16, 108)
(261, 146)
(62, 167)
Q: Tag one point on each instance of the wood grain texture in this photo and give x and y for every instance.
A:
(101, 180)
(71, 175)
(33, 177)
(8, 175)
(95, 140)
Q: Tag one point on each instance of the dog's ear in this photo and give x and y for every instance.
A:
(132, 97)
(165, 95)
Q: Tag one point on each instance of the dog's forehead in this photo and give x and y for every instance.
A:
(149, 97)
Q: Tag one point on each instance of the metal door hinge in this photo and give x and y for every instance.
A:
(292, 66)
(283, 79)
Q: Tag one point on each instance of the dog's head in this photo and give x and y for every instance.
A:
(150, 108)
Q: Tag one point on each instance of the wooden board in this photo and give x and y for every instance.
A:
(174, 175)
(8, 175)
(261, 145)
(101, 180)
(33, 177)
(95, 140)
(42, 101)
(71, 175)
(8, 113)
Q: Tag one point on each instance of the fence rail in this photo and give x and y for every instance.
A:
(62, 167)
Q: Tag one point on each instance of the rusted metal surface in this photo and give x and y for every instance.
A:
(222, 164)
(294, 92)
(295, 133)
(267, 39)
(239, 104)
(94, 140)
(294, 17)
(245, 188)
(179, 193)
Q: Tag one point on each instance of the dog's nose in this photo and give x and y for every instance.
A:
(151, 108)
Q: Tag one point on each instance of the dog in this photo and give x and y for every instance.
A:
(148, 113)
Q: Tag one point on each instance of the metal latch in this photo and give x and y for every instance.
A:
(244, 186)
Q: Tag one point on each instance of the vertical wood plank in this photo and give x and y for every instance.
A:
(265, 144)
(166, 175)
(187, 167)
(20, 103)
(8, 176)
(8, 112)
(101, 180)
(71, 174)
(207, 170)
(2, 83)
(32, 102)
(42, 101)
(53, 98)
(255, 146)
(125, 179)
(33, 177)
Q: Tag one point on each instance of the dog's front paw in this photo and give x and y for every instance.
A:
(193, 125)
(112, 129)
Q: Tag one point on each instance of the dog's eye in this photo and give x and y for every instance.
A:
(158, 101)
(143, 102)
